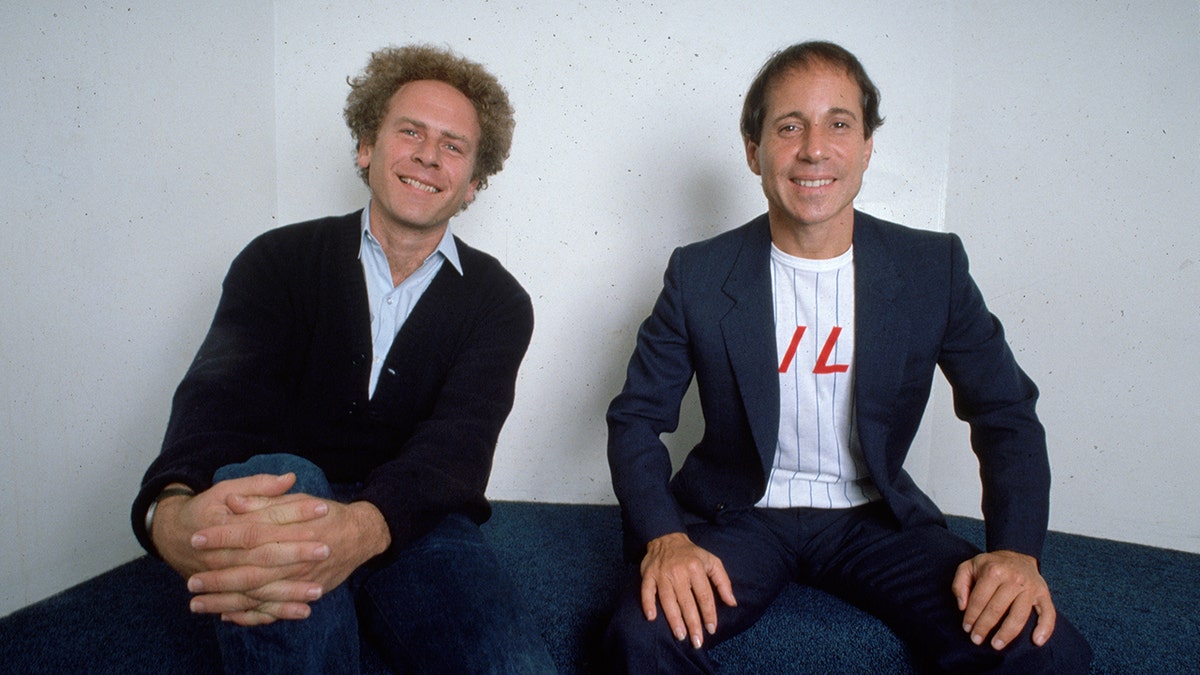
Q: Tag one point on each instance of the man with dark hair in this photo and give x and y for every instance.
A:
(813, 332)
(324, 467)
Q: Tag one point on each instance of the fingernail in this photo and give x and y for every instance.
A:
(313, 593)
(711, 628)
(997, 644)
(199, 540)
(696, 641)
(966, 628)
(196, 606)
(195, 585)
(977, 639)
(322, 551)
(680, 634)
(322, 509)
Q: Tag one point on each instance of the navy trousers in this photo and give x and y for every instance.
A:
(445, 605)
(861, 555)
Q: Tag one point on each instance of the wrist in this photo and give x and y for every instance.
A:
(171, 491)
(377, 536)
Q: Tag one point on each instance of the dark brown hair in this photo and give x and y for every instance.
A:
(797, 57)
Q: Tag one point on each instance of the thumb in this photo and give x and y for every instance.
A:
(961, 586)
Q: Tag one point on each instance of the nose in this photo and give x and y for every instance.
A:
(426, 152)
(814, 146)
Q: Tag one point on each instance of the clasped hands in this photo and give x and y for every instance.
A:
(996, 592)
(254, 554)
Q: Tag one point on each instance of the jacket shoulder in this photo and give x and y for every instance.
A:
(483, 270)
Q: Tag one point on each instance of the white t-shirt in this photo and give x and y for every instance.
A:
(818, 461)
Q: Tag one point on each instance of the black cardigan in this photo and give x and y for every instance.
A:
(285, 368)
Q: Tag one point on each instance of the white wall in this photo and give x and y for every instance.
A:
(143, 144)
(1075, 181)
(136, 146)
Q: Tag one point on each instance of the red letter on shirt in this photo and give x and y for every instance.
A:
(791, 350)
(823, 366)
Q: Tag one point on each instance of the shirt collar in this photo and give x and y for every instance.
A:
(447, 247)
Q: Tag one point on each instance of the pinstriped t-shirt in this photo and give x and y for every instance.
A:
(818, 462)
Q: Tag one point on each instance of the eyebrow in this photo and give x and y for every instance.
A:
(831, 112)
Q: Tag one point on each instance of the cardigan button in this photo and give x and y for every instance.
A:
(721, 506)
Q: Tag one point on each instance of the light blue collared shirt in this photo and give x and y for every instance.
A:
(391, 305)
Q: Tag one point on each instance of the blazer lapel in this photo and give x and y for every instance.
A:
(881, 339)
(749, 332)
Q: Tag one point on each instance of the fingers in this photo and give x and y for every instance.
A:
(248, 610)
(287, 522)
(699, 611)
(684, 601)
(264, 484)
(1001, 606)
(245, 589)
(282, 509)
(267, 556)
(997, 592)
(961, 587)
(1013, 623)
(268, 613)
(720, 581)
(681, 577)
(1047, 618)
(650, 597)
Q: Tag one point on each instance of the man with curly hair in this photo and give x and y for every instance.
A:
(323, 473)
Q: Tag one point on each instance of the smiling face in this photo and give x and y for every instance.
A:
(812, 154)
(421, 164)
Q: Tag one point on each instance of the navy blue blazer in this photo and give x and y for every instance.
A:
(916, 307)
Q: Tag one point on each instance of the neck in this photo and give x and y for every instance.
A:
(813, 242)
(406, 249)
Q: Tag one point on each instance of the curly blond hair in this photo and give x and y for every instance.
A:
(392, 67)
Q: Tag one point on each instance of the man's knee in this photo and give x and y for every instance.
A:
(1067, 652)
(310, 479)
(634, 645)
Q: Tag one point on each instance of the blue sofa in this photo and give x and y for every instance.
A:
(1139, 606)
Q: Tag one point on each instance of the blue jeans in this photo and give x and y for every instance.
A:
(861, 555)
(445, 605)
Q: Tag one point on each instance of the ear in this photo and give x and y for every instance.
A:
(471, 187)
(870, 145)
(364, 154)
(752, 155)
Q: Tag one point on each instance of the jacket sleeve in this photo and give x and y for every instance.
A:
(997, 399)
(228, 405)
(657, 378)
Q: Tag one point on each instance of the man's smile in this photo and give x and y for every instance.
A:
(419, 185)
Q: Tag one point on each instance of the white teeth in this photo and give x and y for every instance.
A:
(419, 185)
(814, 183)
